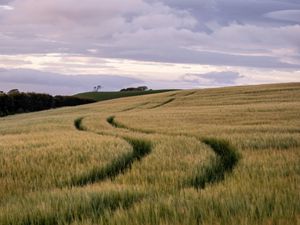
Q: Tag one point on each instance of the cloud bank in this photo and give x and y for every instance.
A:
(43, 82)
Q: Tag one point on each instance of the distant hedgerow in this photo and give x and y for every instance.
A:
(19, 102)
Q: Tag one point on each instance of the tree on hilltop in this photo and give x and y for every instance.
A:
(97, 88)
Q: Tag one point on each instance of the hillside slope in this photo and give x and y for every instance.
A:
(211, 156)
(102, 96)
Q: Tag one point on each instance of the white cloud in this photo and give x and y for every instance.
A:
(6, 7)
(214, 78)
(285, 15)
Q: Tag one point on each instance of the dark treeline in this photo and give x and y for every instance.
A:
(13, 103)
(141, 88)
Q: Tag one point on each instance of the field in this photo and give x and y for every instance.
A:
(212, 156)
(102, 96)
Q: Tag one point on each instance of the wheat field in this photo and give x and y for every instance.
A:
(212, 156)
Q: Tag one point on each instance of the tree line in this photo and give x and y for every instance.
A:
(20, 102)
(141, 88)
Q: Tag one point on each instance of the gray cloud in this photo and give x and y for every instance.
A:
(249, 33)
(4, 2)
(33, 80)
(224, 12)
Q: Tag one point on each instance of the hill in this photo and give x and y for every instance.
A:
(212, 156)
(102, 96)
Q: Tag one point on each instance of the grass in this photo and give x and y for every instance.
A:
(176, 164)
(65, 207)
(102, 96)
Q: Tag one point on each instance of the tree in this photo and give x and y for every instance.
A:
(142, 88)
(97, 88)
(13, 91)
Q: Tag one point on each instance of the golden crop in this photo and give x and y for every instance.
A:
(149, 160)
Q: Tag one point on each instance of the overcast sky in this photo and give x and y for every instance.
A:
(68, 46)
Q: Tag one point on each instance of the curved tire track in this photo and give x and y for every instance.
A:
(141, 148)
(189, 94)
(112, 122)
(134, 107)
(226, 159)
(163, 103)
(78, 124)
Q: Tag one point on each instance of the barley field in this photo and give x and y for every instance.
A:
(212, 156)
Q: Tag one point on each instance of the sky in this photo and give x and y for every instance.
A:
(69, 46)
